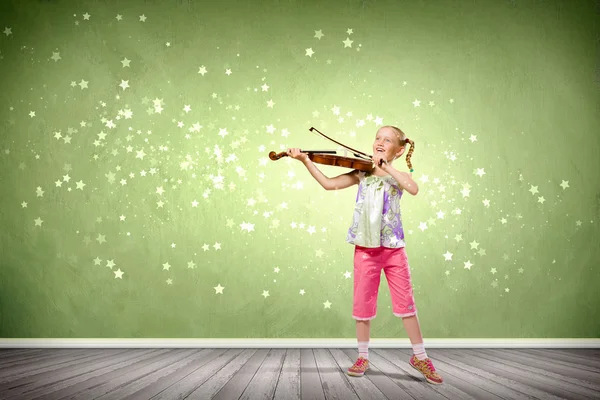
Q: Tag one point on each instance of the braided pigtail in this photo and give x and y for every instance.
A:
(409, 154)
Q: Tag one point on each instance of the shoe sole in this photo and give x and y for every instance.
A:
(426, 378)
(356, 373)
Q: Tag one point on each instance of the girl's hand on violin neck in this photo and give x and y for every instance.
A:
(297, 154)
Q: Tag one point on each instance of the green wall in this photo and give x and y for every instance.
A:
(121, 210)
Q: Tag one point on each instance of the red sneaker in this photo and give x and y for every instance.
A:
(427, 369)
(359, 368)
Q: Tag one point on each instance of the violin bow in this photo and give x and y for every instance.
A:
(356, 152)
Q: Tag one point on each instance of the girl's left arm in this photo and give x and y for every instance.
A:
(404, 179)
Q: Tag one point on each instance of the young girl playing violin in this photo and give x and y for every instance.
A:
(378, 238)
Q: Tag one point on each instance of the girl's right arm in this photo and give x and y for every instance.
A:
(339, 182)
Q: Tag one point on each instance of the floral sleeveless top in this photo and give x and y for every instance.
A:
(377, 220)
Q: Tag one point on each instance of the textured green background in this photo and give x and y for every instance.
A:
(122, 209)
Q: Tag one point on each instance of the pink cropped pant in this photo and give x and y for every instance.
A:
(368, 263)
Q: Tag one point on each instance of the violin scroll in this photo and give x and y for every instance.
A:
(276, 156)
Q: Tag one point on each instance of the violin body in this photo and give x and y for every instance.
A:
(333, 160)
(341, 161)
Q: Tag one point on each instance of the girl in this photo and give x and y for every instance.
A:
(378, 238)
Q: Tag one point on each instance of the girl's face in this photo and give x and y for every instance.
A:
(387, 144)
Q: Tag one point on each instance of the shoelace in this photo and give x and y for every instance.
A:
(428, 365)
(360, 362)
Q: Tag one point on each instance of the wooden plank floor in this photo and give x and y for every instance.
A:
(288, 374)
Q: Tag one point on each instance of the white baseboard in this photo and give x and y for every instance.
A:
(294, 343)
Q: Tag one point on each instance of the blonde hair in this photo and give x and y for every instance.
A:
(403, 140)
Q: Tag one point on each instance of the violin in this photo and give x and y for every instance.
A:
(363, 162)
(326, 158)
